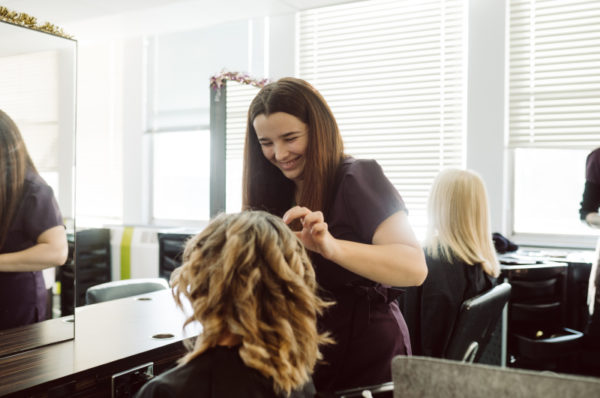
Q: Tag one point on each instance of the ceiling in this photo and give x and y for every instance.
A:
(94, 19)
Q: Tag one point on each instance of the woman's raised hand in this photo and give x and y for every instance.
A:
(315, 234)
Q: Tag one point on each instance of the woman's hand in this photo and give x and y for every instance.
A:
(315, 234)
(593, 219)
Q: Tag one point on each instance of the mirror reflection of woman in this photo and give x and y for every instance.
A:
(32, 234)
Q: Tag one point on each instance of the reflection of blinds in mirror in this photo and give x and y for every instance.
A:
(393, 73)
(29, 95)
(239, 97)
(554, 74)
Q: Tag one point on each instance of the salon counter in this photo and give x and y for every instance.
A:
(110, 338)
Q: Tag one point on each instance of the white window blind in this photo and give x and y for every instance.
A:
(239, 97)
(393, 73)
(29, 95)
(554, 74)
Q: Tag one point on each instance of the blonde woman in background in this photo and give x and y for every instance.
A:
(460, 258)
(252, 287)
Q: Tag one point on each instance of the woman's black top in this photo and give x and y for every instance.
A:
(365, 321)
(431, 310)
(23, 294)
(217, 373)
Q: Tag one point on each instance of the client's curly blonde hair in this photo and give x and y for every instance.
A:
(248, 275)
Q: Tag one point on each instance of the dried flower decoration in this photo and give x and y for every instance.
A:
(217, 81)
(22, 19)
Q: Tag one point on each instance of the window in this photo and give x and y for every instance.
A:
(177, 126)
(554, 110)
(393, 73)
(28, 94)
(181, 174)
(547, 197)
(179, 66)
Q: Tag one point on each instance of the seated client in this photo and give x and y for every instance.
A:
(460, 258)
(252, 287)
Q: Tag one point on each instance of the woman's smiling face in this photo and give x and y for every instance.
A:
(283, 139)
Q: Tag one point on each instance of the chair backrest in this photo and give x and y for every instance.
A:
(436, 377)
(476, 322)
(92, 260)
(123, 288)
(170, 251)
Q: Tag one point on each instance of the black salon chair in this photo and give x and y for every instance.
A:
(170, 251)
(476, 322)
(123, 288)
(90, 253)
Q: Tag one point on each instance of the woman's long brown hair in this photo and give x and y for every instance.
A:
(14, 163)
(264, 186)
(247, 275)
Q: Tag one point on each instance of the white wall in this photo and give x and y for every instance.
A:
(282, 46)
(133, 90)
(99, 147)
(485, 110)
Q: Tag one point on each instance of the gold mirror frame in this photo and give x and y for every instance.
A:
(27, 21)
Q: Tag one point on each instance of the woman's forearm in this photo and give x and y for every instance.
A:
(51, 250)
(394, 258)
(394, 264)
(36, 258)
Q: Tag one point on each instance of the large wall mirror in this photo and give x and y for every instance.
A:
(37, 91)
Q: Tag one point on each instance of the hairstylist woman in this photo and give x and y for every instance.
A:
(348, 215)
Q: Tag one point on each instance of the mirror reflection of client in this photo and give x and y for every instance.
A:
(460, 258)
(32, 234)
(252, 287)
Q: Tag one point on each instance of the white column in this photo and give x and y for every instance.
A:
(485, 93)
